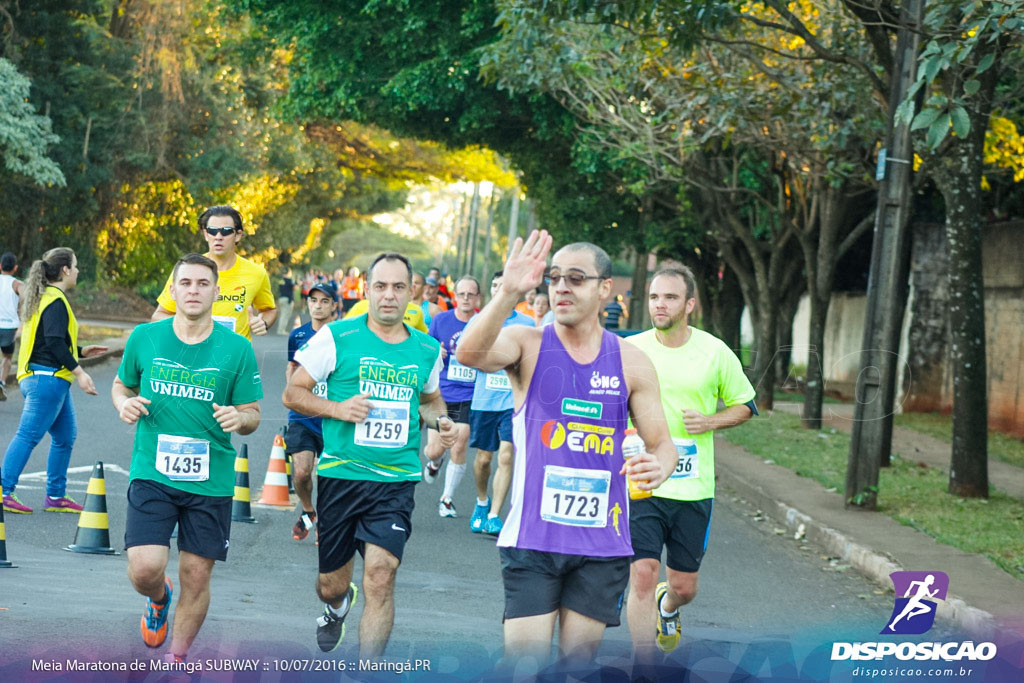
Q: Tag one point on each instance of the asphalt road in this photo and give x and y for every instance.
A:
(756, 584)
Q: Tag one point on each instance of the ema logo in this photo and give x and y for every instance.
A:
(914, 612)
(552, 434)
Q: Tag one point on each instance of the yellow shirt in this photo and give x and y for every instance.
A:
(413, 314)
(242, 285)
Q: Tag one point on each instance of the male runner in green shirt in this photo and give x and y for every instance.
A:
(187, 384)
(695, 370)
(383, 378)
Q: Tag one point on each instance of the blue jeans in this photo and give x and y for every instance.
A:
(48, 408)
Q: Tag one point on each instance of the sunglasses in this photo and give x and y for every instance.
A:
(573, 277)
(223, 232)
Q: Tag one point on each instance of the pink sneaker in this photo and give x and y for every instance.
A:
(62, 504)
(12, 504)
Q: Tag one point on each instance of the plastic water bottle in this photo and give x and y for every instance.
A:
(632, 444)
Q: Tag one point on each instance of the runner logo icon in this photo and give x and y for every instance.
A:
(917, 597)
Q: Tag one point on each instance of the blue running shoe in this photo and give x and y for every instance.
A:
(493, 526)
(476, 522)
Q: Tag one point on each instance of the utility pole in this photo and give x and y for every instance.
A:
(871, 441)
(474, 225)
(488, 247)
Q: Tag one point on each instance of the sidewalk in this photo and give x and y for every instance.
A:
(983, 599)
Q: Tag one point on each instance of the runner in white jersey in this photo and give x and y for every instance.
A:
(565, 546)
(10, 291)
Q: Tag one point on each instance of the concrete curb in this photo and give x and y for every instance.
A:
(872, 563)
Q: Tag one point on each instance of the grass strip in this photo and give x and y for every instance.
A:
(1003, 447)
(912, 494)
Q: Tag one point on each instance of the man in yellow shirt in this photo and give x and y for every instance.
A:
(243, 284)
(413, 314)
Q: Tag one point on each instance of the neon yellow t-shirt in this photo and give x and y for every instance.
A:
(413, 314)
(242, 285)
(693, 377)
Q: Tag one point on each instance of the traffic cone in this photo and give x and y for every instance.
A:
(4, 562)
(93, 534)
(275, 485)
(287, 460)
(240, 509)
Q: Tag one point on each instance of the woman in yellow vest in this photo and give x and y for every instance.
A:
(47, 365)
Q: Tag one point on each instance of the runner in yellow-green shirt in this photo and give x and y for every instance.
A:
(695, 371)
(243, 284)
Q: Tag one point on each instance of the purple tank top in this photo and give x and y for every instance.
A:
(567, 493)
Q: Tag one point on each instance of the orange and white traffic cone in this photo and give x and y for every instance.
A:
(275, 485)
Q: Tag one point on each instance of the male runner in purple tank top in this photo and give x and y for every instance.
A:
(565, 547)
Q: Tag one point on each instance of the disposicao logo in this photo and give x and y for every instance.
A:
(916, 602)
(914, 612)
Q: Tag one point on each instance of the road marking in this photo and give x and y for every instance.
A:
(75, 470)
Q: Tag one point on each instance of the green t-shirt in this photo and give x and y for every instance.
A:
(693, 377)
(183, 381)
(352, 360)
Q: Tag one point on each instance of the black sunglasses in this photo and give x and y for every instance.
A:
(573, 277)
(223, 232)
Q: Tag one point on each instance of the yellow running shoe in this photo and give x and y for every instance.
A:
(668, 627)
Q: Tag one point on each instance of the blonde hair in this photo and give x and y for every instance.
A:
(43, 271)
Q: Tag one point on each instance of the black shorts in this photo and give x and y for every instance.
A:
(347, 304)
(539, 583)
(7, 340)
(458, 412)
(680, 525)
(352, 513)
(204, 522)
(488, 428)
(300, 437)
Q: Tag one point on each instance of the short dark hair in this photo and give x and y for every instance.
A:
(685, 274)
(390, 256)
(498, 273)
(602, 262)
(221, 210)
(8, 261)
(195, 260)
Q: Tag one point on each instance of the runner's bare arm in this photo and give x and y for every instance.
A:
(434, 413)
(485, 345)
(130, 406)
(299, 396)
(649, 418)
(289, 370)
(160, 313)
(243, 418)
(697, 422)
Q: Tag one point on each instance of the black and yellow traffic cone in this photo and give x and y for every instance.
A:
(4, 562)
(287, 462)
(240, 509)
(93, 535)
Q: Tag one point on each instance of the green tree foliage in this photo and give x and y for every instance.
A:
(160, 112)
(24, 134)
(413, 67)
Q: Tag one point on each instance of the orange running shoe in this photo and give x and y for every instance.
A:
(154, 621)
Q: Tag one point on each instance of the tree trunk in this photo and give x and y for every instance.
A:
(784, 333)
(815, 392)
(960, 183)
(638, 291)
(764, 354)
(727, 310)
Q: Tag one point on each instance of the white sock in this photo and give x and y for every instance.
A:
(484, 502)
(342, 610)
(452, 477)
(492, 514)
(662, 609)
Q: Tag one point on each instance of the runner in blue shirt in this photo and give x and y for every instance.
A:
(457, 383)
(304, 440)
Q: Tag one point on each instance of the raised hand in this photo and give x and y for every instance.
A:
(524, 269)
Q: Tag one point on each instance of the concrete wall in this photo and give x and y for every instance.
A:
(1003, 260)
